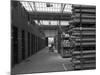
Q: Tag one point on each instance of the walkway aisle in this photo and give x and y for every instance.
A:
(43, 61)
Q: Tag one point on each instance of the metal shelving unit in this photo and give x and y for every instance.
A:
(83, 33)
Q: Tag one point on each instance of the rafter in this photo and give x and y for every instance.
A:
(31, 6)
(62, 7)
(34, 6)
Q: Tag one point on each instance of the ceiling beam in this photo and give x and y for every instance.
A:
(50, 27)
(34, 6)
(62, 7)
(50, 16)
(31, 6)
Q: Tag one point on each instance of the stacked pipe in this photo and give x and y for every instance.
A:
(83, 32)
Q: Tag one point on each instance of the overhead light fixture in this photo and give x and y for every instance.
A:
(49, 5)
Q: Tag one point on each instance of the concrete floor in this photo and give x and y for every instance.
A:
(43, 61)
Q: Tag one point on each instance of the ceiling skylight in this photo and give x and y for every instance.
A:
(46, 7)
(51, 22)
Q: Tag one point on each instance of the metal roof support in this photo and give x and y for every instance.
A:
(62, 7)
(59, 22)
(40, 22)
(31, 6)
(34, 6)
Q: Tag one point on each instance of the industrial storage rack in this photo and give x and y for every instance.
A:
(83, 32)
(65, 46)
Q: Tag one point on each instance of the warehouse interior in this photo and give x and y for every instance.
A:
(52, 37)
